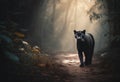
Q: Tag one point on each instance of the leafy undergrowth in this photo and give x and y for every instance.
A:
(110, 63)
(20, 72)
(21, 61)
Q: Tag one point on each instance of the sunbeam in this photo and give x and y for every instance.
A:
(58, 18)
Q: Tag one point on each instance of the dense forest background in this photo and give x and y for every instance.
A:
(19, 32)
(21, 15)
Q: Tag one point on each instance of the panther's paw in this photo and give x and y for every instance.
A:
(87, 63)
(82, 65)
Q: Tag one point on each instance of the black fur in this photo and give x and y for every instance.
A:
(85, 43)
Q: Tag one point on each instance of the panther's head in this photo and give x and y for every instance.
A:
(80, 35)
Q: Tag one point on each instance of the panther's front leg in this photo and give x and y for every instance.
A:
(81, 58)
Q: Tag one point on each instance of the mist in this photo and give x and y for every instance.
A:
(56, 19)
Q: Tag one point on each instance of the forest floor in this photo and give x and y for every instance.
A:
(91, 73)
(66, 70)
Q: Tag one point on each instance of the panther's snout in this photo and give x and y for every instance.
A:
(79, 38)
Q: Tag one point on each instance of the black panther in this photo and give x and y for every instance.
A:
(85, 44)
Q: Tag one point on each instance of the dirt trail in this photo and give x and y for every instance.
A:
(85, 74)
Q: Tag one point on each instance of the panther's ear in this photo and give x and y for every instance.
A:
(84, 31)
(75, 31)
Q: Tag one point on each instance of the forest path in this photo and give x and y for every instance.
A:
(89, 73)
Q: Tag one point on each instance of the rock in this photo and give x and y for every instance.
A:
(27, 47)
(36, 50)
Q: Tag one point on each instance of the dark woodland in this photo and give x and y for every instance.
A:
(29, 54)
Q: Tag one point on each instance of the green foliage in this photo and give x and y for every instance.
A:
(97, 11)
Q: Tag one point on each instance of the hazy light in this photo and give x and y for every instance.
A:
(69, 59)
(56, 21)
(89, 0)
